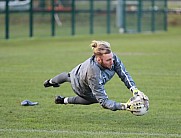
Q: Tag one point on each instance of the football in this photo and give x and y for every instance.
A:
(144, 107)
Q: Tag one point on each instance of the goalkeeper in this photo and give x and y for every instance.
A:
(88, 79)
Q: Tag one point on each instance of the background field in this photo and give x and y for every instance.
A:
(153, 60)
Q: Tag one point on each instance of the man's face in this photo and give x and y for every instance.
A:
(106, 60)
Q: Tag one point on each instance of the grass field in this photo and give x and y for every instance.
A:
(153, 61)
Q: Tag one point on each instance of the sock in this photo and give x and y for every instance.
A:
(50, 81)
(66, 100)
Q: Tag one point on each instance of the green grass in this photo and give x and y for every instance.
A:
(153, 61)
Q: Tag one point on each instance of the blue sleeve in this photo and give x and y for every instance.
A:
(122, 72)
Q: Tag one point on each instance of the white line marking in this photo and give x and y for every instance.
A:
(89, 132)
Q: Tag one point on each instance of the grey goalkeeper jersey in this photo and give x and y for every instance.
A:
(88, 80)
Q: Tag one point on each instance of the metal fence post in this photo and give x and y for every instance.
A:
(120, 15)
(73, 17)
(124, 15)
(91, 16)
(139, 12)
(108, 16)
(165, 15)
(52, 18)
(7, 20)
(153, 16)
(31, 19)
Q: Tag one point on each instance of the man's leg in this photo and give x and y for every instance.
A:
(59, 79)
(74, 100)
(80, 100)
(65, 77)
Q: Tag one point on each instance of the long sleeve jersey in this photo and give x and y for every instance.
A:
(89, 78)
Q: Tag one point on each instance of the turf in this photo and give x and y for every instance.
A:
(153, 61)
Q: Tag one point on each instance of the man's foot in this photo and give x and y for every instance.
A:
(48, 84)
(59, 100)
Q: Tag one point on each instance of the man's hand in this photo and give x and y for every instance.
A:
(133, 106)
(137, 92)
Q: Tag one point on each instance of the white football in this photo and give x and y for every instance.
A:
(144, 108)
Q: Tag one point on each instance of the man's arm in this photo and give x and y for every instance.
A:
(122, 73)
(96, 84)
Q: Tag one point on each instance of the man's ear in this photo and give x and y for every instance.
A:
(98, 59)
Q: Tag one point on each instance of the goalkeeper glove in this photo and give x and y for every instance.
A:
(138, 106)
(137, 92)
(133, 106)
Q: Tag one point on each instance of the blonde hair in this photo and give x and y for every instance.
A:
(100, 47)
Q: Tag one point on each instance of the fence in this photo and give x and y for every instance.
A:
(142, 15)
(80, 17)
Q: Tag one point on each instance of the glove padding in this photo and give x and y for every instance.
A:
(137, 105)
(137, 92)
(134, 104)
